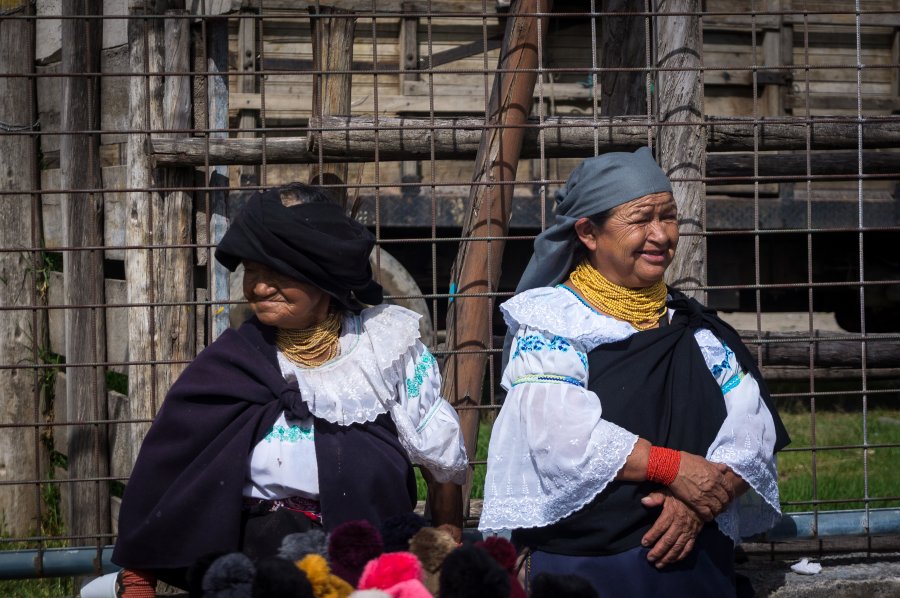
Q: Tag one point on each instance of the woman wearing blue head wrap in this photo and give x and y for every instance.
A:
(636, 443)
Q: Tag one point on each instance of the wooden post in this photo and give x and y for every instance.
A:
(145, 39)
(681, 148)
(248, 119)
(477, 266)
(173, 268)
(20, 331)
(217, 101)
(83, 270)
(623, 92)
(332, 39)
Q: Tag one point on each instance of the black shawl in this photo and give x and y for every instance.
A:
(655, 384)
(184, 497)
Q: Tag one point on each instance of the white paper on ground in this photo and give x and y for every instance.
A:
(805, 567)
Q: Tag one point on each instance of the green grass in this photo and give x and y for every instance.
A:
(840, 473)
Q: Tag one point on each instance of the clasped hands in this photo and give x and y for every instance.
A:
(700, 492)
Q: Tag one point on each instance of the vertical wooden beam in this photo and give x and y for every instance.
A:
(681, 149)
(217, 100)
(477, 267)
(332, 37)
(248, 119)
(20, 331)
(409, 48)
(83, 269)
(623, 38)
(145, 39)
(173, 267)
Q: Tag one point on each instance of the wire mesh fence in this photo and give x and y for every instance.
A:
(129, 138)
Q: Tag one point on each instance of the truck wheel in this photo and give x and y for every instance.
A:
(397, 280)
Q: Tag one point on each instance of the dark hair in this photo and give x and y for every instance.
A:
(294, 194)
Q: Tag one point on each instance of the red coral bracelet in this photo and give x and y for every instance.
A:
(663, 464)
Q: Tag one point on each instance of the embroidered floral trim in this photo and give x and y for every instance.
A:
(423, 367)
(732, 382)
(551, 378)
(289, 434)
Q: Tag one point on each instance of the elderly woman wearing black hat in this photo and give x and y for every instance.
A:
(636, 443)
(310, 414)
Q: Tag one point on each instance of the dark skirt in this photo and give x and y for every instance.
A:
(707, 571)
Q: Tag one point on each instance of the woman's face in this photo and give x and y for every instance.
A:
(281, 301)
(636, 244)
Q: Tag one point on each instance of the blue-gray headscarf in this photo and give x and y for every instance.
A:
(596, 185)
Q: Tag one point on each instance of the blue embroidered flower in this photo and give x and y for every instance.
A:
(423, 366)
(289, 434)
(726, 362)
(536, 342)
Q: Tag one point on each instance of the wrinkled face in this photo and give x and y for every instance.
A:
(636, 244)
(281, 301)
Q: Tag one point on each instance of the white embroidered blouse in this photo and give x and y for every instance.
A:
(382, 367)
(551, 451)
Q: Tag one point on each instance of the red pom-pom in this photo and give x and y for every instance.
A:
(501, 550)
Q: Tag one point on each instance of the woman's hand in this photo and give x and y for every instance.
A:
(674, 532)
(702, 485)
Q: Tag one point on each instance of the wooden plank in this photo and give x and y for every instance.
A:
(353, 140)
(218, 102)
(20, 340)
(172, 271)
(408, 44)
(622, 92)
(333, 52)
(447, 7)
(246, 61)
(145, 40)
(88, 505)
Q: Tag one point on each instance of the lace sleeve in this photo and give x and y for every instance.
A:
(745, 442)
(427, 425)
(551, 452)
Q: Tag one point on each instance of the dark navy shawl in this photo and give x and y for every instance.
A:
(184, 497)
(655, 384)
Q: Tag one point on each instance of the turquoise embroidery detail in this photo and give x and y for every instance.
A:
(536, 342)
(414, 384)
(291, 434)
(551, 378)
(732, 383)
(725, 365)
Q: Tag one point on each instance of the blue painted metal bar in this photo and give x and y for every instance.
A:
(62, 562)
(797, 526)
(54, 562)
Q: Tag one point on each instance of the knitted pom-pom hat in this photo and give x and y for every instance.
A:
(299, 544)
(324, 583)
(229, 576)
(397, 573)
(350, 546)
(502, 551)
(280, 578)
(397, 530)
(470, 572)
(432, 545)
(194, 574)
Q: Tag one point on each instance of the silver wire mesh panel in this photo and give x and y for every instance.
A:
(129, 139)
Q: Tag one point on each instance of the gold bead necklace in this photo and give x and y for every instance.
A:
(311, 347)
(642, 308)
